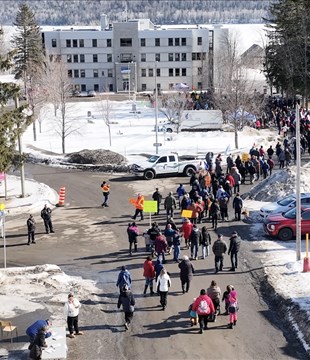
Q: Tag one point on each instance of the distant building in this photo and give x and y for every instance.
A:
(253, 57)
(135, 55)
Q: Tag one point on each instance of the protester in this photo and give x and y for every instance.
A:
(186, 273)
(193, 314)
(139, 205)
(124, 278)
(133, 233)
(237, 206)
(219, 248)
(71, 311)
(157, 196)
(149, 275)
(205, 242)
(163, 284)
(204, 307)
(170, 204)
(105, 187)
(233, 309)
(233, 250)
(195, 239)
(46, 215)
(127, 301)
(225, 297)
(187, 228)
(214, 292)
(31, 227)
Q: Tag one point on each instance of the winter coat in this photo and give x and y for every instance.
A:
(181, 191)
(223, 202)
(72, 309)
(46, 213)
(170, 202)
(139, 203)
(31, 224)
(163, 282)
(170, 234)
(214, 292)
(158, 267)
(148, 269)
(185, 203)
(237, 204)
(153, 232)
(195, 236)
(205, 238)
(187, 228)
(124, 278)
(157, 196)
(234, 245)
(186, 270)
(214, 209)
(39, 343)
(219, 247)
(265, 167)
(160, 244)
(127, 300)
(133, 233)
(237, 177)
(198, 308)
(195, 210)
(33, 329)
(230, 179)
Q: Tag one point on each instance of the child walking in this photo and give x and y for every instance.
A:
(232, 309)
(193, 314)
(225, 297)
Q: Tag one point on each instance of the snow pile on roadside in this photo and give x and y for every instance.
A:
(26, 289)
(279, 185)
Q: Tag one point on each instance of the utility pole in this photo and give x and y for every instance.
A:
(156, 110)
(20, 150)
(298, 201)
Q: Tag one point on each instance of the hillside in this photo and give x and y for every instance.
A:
(82, 12)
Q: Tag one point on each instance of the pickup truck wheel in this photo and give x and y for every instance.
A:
(148, 175)
(189, 171)
(169, 130)
(285, 234)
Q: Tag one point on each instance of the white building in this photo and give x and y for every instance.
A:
(135, 55)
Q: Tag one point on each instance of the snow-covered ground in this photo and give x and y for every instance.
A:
(134, 134)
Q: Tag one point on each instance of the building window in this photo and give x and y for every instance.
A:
(143, 72)
(126, 42)
(170, 57)
(199, 85)
(81, 42)
(204, 56)
(76, 73)
(94, 42)
(183, 41)
(171, 86)
(157, 41)
(170, 42)
(70, 73)
(83, 87)
(143, 87)
(75, 58)
(142, 42)
(177, 41)
(198, 56)
(95, 58)
(74, 43)
(183, 71)
(183, 57)
(151, 72)
(82, 72)
(110, 73)
(82, 58)
(199, 71)
(177, 72)
(157, 57)
(176, 57)
(96, 87)
(95, 73)
(143, 57)
(102, 73)
(109, 42)
(109, 57)
(69, 58)
(68, 43)
(170, 72)
(54, 43)
(199, 40)
(157, 72)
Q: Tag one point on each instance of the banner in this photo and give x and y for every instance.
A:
(187, 213)
(150, 206)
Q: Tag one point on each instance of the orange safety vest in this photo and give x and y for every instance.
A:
(105, 188)
(140, 203)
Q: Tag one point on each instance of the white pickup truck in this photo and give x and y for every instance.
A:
(164, 164)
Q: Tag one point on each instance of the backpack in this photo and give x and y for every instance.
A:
(233, 307)
(203, 307)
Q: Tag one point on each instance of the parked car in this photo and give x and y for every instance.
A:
(91, 93)
(287, 203)
(283, 225)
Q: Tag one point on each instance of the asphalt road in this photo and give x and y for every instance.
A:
(91, 242)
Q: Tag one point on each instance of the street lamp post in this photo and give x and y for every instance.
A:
(2, 214)
(156, 111)
(298, 201)
(20, 150)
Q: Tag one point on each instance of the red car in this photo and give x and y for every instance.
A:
(283, 225)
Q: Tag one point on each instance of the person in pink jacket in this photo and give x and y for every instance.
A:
(187, 228)
(204, 307)
(232, 309)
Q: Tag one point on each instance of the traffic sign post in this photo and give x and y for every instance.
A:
(2, 214)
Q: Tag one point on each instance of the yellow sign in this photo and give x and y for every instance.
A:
(2, 207)
(187, 213)
(245, 157)
(150, 206)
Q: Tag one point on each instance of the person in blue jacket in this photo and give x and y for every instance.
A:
(181, 192)
(33, 329)
(124, 278)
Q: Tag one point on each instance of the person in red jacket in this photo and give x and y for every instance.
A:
(187, 228)
(149, 274)
(204, 307)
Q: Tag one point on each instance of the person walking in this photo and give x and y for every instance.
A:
(163, 284)
(214, 213)
(31, 227)
(161, 247)
(219, 248)
(186, 229)
(46, 215)
(133, 233)
(181, 192)
(149, 275)
(127, 301)
(157, 196)
(139, 204)
(71, 311)
(204, 307)
(124, 278)
(205, 242)
(233, 250)
(237, 206)
(195, 238)
(214, 292)
(170, 204)
(186, 273)
(105, 187)
(232, 309)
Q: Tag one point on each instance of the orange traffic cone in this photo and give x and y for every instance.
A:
(62, 194)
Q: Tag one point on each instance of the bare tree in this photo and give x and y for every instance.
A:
(172, 106)
(105, 109)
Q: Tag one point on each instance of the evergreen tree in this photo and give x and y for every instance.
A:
(28, 58)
